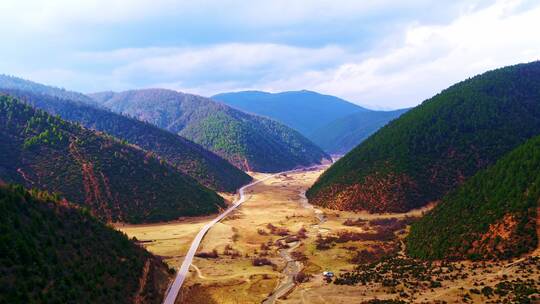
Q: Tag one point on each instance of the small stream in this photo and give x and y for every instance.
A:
(293, 267)
(318, 213)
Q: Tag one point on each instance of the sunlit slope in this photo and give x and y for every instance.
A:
(436, 146)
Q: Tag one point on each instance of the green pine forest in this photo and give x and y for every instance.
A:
(54, 252)
(492, 215)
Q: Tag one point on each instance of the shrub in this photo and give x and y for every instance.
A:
(208, 255)
(261, 262)
(302, 277)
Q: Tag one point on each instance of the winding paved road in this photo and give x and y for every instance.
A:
(174, 289)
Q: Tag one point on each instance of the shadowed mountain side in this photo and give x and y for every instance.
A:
(54, 252)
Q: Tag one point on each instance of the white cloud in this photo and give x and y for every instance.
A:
(405, 67)
(53, 14)
(432, 57)
(228, 63)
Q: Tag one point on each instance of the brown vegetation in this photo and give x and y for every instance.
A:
(261, 262)
(302, 277)
(280, 231)
(376, 193)
(208, 255)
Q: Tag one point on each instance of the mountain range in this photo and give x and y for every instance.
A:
(332, 123)
(192, 159)
(250, 142)
(15, 83)
(303, 111)
(155, 155)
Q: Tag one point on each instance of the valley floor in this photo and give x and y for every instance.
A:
(275, 239)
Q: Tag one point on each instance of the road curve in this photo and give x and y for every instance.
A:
(174, 289)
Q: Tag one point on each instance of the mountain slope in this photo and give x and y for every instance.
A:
(53, 252)
(304, 111)
(343, 134)
(118, 182)
(434, 147)
(192, 159)
(249, 142)
(492, 215)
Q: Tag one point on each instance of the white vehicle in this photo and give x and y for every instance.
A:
(328, 274)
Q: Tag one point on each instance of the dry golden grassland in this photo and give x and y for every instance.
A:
(274, 212)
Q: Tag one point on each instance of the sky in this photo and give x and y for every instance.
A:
(382, 54)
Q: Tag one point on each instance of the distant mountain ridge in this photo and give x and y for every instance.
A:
(332, 123)
(192, 159)
(116, 181)
(16, 83)
(250, 142)
(306, 110)
(435, 147)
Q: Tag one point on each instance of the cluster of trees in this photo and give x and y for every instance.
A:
(49, 131)
(442, 142)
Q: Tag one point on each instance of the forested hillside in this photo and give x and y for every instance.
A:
(436, 146)
(192, 159)
(343, 134)
(492, 216)
(53, 252)
(250, 142)
(116, 181)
